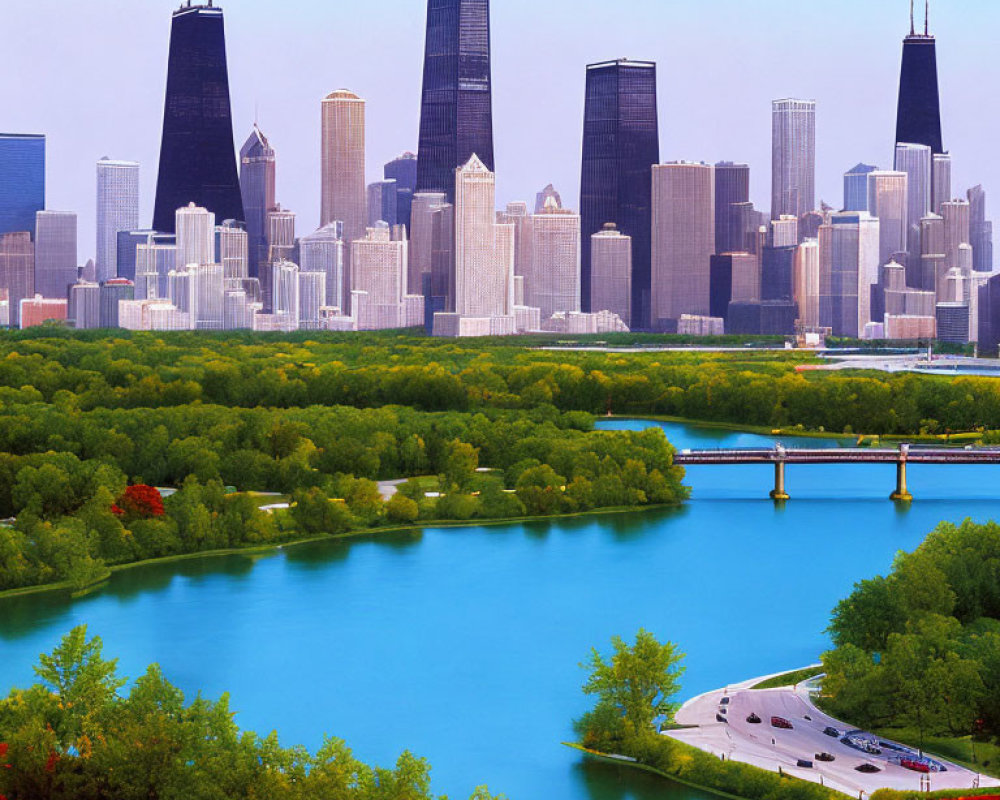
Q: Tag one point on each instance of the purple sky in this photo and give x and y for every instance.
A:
(91, 76)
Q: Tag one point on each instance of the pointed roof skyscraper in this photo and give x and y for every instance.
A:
(257, 182)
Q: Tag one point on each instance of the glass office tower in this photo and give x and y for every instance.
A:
(257, 181)
(456, 112)
(918, 118)
(621, 143)
(22, 181)
(197, 154)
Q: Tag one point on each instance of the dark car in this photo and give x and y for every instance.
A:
(720, 718)
(868, 769)
(753, 719)
(724, 701)
(825, 757)
(804, 763)
(832, 732)
(781, 722)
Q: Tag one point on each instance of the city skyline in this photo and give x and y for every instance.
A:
(285, 108)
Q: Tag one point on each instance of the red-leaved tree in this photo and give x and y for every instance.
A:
(139, 501)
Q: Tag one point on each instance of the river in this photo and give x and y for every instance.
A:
(463, 645)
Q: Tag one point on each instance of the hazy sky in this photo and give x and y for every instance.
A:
(91, 76)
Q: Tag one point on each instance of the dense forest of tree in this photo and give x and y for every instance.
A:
(920, 648)
(84, 371)
(76, 735)
(66, 464)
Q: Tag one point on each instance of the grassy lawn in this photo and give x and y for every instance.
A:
(789, 678)
(263, 499)
(954, 748)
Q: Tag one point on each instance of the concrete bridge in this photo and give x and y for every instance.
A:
(779, 456)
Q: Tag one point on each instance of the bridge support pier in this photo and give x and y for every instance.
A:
(902, 494)
(779, 495)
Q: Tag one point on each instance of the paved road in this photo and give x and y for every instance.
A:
(770, 748)
(388, 489)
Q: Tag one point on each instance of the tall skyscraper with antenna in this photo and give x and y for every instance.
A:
(456, 111)
(197, 154)
(918, 120)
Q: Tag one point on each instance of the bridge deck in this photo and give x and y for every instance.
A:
(836, 456)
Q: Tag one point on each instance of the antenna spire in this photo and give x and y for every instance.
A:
(927, 17)
(913, 28)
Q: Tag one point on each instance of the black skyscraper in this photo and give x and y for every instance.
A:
(621, 143)
(732, 187)
(918, 120)
(403, 170)
(456, 113)
(197, 156)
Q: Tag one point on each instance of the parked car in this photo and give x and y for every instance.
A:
(915, 765)
(868, 769)
(720, 718)
(781, 722)
(753, 719)
(804, 763)
(724, 701)
(832, 732)
(825, 757)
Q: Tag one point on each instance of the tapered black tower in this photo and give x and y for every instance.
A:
(456, 112)
(197, 155)
(918, 120)
(621, 143)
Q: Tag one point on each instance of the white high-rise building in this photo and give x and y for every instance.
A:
(378, 274)
(849, 267)
(195, 236)
(117, 211)
(323, 251)
(551, 268)
(232, 246)
(154, 261)
(957, 250)
(941, 181)
(611, 272)
(683, 240)
(806, 282)
(208, 294)
(285, 280)
(887, 200)
(916, 160)
(342, 172)
(793, 157)
(312, 298)
(484, 251)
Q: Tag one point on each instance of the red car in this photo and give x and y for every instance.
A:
(781, 722)
(915, 765)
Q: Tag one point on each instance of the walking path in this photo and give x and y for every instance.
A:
(774, 749)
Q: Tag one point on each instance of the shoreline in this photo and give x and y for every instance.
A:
(263, 550)
(625, 761)
(759, 430)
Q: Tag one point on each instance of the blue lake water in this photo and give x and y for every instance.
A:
(463, 645)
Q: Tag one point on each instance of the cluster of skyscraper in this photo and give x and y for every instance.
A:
(656, 246)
